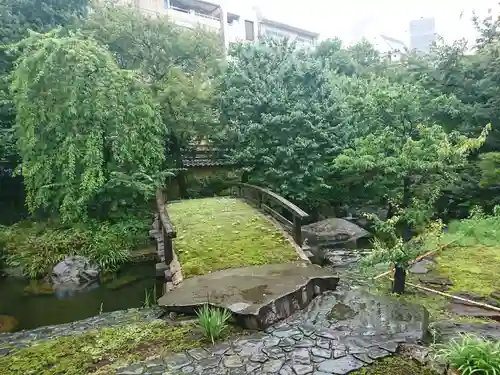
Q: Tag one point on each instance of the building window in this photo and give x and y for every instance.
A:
(249, 32)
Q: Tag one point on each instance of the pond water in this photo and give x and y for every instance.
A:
(125, 291)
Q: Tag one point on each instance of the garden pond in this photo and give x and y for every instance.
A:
(34, 305)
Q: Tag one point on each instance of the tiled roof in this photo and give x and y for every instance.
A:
(206, 157)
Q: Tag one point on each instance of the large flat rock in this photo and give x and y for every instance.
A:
(358, 313)
(258, 295)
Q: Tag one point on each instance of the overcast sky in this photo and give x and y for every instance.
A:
(348, 19)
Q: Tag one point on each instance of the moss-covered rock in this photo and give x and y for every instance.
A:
(7, 323)
(37, 288)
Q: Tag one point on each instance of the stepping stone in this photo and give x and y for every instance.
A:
(340, 366)
(422, 267)
(302, 369)
(273, 366)
(323, 353)
(233, 361)
(365, 358)
(377, 353)
(178, 361)
(259, 295)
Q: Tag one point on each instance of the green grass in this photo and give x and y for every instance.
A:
(220, 233)
(100, 351)
(471, 354)
(471, 263)
(213, 321)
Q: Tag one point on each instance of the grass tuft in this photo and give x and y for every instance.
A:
(471, 354)
(220, 233)
(213, 322)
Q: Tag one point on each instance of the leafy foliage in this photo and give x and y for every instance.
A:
(409, 169)
(17, 17)
(213, 321)
(282, 119)
(37, 247)
(80, 121)
(178, 64)
(472, 355)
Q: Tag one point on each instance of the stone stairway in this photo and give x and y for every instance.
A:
(339, 332)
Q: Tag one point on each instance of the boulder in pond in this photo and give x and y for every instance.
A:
(333, 232)
(74, 274)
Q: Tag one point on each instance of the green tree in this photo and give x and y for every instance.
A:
(282, 119)
(410, 169)
(178, 64)
(86, 129)
(17, 17)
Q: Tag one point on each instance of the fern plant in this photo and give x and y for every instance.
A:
(470, 354)
(213, 321)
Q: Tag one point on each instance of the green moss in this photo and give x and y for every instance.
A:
(220, 233)
(122, 281)
(38, 288)
(434, 303)
(395, 365)
(472, 269)
(7, 323)
(101, 350)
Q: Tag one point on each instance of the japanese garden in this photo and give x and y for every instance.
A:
(168, 206)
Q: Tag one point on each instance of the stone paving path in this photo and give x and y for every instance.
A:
(338, 333)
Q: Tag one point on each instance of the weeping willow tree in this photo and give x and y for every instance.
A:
(88, 133)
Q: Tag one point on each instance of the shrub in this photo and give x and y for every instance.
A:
(213, 321)
(212, 185)
(471, 354)
(37, 246)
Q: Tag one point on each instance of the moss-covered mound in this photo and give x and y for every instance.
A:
(396, 365)
(220, 233)
(99, 351)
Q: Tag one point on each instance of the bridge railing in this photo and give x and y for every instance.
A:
(267, 201)
(169, 268)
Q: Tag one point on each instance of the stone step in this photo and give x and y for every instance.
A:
(258, 295)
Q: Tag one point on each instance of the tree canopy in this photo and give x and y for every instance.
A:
(82, 123)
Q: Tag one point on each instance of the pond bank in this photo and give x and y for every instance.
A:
(22, 339)
(34, 305)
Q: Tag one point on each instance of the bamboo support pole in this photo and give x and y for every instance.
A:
(480, 304)
(418, 259)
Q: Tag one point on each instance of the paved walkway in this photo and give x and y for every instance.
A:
(338, 333)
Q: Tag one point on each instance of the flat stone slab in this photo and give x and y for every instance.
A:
(474, 311)
(258, 296)
(422, 267)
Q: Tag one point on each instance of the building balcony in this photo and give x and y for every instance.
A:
(193, 13)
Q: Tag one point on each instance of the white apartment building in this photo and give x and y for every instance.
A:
(234, 24)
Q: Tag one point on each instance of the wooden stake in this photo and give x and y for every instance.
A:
(418, 259)
(480, 304)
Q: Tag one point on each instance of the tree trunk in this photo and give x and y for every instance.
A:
(398, 285)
